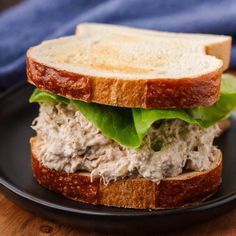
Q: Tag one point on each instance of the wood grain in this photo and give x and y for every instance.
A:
(17, 222)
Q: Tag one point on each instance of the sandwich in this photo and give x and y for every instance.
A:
(128, 117)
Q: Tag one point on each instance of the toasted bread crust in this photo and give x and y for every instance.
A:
(130, 192)
(153, 93)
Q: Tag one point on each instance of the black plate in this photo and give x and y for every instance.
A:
(17, 183)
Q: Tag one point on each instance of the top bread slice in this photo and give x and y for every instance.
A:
(218, 46)
(121, 66)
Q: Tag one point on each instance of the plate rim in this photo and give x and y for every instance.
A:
(132, 213)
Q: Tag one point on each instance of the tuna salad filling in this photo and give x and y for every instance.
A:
(69, 142)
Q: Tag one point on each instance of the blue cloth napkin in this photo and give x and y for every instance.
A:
(32, 21)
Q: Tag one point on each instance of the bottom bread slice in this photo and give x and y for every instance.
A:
(185, 189)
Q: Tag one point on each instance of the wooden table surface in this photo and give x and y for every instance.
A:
(17, 222)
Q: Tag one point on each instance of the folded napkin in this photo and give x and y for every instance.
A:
(32, 21)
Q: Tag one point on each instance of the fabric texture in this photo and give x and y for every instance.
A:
(32, 21)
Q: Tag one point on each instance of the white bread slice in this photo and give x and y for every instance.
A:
(127, 67)
(183, 190)
(218, 46)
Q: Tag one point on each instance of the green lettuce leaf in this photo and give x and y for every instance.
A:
(41, 96)
(128, 126)
(115, 122)
(202, 116)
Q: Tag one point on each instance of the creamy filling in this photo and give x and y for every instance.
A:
(69, 142)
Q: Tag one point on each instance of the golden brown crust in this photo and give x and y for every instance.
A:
(184, 93)
(130, 192)
(153, 93)
(74, 186)
(176, 193)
